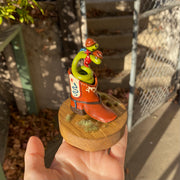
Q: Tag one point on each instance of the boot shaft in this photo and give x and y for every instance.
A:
(82, 91)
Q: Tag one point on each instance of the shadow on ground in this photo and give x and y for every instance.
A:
(144, 150)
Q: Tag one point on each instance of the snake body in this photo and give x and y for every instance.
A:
(84, 73)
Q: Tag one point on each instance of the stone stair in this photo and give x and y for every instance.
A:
(110, 24)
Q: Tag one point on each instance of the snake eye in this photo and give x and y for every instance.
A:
(96, 57)
(96, 45)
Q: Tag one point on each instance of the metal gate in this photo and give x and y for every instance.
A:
(155, 57)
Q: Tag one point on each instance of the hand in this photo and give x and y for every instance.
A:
(71, 163)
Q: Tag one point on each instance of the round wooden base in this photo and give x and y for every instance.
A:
(88, 134)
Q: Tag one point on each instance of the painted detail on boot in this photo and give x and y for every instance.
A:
(89, 89)
(75, 86)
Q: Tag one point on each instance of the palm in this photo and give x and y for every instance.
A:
(72, 163)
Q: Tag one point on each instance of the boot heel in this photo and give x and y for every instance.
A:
(78, 111)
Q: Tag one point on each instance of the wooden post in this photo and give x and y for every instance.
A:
(4, 128)
(2, 177)
(22, 66)
(14, 35)
(15, 80)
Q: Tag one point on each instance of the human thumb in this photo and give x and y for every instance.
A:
(34, 158)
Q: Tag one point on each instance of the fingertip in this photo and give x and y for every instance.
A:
(34, 155)
(34, 146)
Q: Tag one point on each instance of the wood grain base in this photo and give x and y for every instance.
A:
(88, 134)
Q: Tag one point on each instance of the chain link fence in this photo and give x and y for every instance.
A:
(157, 44)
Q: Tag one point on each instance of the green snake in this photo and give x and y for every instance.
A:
(84, 73)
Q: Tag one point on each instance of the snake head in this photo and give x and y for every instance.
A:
(91, 44)
(93, 47)
(97, 57)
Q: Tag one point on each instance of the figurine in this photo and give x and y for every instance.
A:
(90, 120)
(83, 84)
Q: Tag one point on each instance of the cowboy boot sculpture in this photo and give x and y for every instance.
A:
(100, 127)
(83, 85)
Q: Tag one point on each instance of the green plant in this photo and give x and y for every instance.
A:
(18, 10)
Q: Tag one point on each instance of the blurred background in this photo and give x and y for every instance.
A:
(140, 41)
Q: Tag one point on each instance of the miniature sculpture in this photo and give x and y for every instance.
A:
(84, 97)
(85, 119)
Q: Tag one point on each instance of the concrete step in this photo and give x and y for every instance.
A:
(141, 53)
(110, 24)
(113, 25)
(115, 62)
(151, 72)
(159, 59)
(116, 24)
(123, 41)
(155, 76)
(112, 6)
(159, 75)
(154, 82)
(120, 80)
